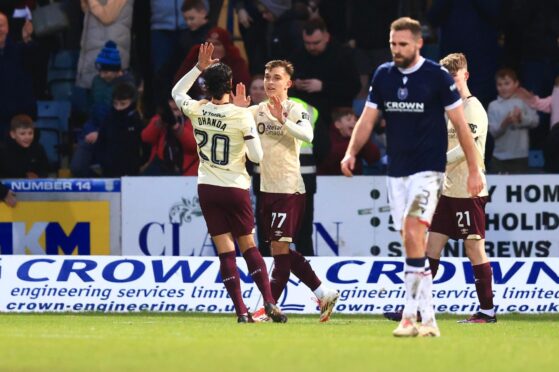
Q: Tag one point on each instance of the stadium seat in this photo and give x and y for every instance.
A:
(62, 74)
(52, 125)
(535, 159)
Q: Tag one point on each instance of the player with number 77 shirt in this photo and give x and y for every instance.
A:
(225, 134)
(283, 125)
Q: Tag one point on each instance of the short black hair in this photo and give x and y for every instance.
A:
(124, 90)
(314, 24)
(218, 80)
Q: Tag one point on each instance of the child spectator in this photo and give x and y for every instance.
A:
(109, 67)
(23, 157)
(343, 122)
(195, 14)
(119, 143)
(510, 120)
(110, 73)
(173, 146)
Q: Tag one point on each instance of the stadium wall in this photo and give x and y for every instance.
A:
(160, 216)
(173, 284)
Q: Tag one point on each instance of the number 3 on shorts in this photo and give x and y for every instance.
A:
(281, 218)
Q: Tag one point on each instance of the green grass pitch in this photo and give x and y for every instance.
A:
(205, 342)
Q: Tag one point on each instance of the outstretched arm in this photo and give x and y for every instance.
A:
(185, 83)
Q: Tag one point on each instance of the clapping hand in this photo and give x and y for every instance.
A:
(276, 108)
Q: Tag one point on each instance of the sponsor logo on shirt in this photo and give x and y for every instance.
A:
(391, 106)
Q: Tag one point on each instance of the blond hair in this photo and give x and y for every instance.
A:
(454, 62)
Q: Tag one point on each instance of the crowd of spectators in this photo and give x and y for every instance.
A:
(130, 53)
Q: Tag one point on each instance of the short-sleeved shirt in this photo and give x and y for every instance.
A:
(220, 132)
(456, 175)
(413, 102)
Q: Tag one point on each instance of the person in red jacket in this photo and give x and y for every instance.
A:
(343, 121)
(226, 52)
(173, 146)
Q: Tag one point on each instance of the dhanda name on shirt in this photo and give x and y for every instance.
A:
(212, 123)
(392, 106)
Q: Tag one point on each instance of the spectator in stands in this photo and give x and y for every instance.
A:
(85, 154)
(225, 51)
(23, 157)
(103, 20)
(548, 105)
(532, 33)
(110, 73)
(109, 66)
(269, 30)
(195, 14)
(167, 29)
(326, 75)
(173, 146)
(16, 86)
(509, 122)
(119, 143)
(343, 122)
(256, 89)
(7, 196)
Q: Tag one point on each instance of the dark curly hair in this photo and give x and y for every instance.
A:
(218, 80)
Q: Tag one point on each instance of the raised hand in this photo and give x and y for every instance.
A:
(276, 108)
(205, 59)
(239, 98)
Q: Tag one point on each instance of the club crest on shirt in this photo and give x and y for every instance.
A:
(402, 93)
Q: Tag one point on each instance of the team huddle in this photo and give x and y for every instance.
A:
(425, 157)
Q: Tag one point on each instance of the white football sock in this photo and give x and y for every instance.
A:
(426, 298)
(412, 280)
(321, 291)
(490, 312)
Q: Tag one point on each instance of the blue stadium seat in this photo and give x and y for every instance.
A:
(535, 159)
(52, 125)
(62, 74)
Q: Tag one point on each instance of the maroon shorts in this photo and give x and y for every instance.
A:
(226, 210)
(460, 218)
(281, 215)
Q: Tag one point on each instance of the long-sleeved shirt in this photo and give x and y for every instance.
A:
(549, 105)
(511, 142)
(224, 133)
